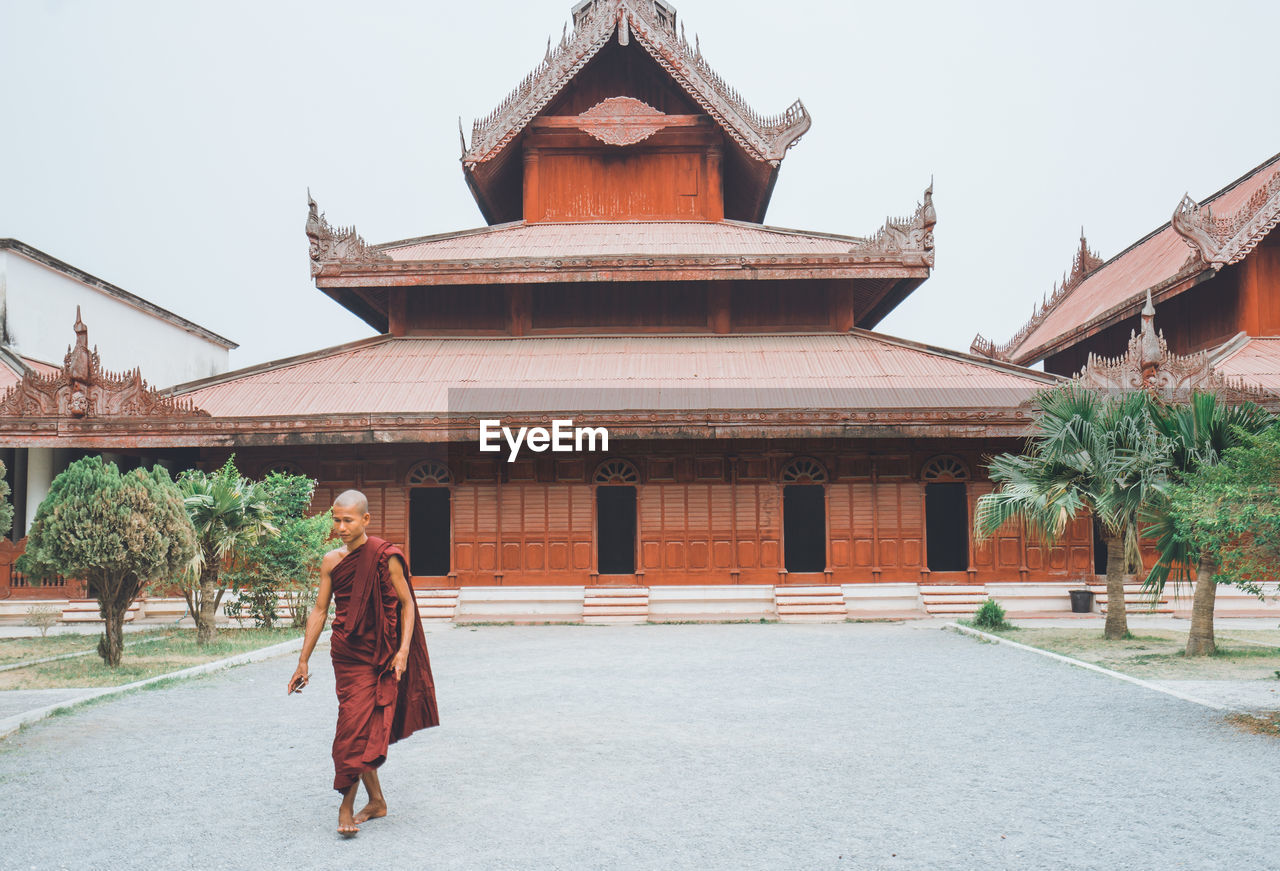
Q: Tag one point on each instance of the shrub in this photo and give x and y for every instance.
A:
(990, 616)
(42, 617)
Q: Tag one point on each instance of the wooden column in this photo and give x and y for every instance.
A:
(718, 301)
(840, 305)
(519, 314)
(397, 311)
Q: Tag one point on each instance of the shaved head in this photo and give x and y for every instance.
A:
(354, 500)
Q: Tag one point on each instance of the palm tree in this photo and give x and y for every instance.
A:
(1094, 454)
(228, 512)
(1199, 431)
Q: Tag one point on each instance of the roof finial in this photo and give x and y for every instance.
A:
(462, 137)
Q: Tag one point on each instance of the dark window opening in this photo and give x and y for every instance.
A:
(1099, 549)
(804, 528)
(616, 530)
(946, 511)
(429, 531)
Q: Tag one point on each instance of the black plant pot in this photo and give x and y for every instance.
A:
(1081, 601)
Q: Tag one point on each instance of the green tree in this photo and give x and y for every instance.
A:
(116, 531)
(1222, 512)
(6, 507)
(1093, 454)
(229, 513)
(287, 563)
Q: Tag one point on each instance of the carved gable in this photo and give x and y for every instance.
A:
(83, 389)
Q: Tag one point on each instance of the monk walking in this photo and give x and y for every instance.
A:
(380, 664)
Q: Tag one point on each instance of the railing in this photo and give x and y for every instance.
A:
(13, 582)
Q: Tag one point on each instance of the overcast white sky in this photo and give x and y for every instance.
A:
(167, 147)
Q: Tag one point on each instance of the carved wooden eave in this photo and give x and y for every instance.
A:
(1148, 364)
(349, 429)
(908, 237)
(335, 245)
(1218, 242)
(83, 390)
(1085, 262)
(652, 24)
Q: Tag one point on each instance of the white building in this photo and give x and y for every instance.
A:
(39, 297)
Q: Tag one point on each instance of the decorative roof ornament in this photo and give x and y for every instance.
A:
(621, 121)
(83, 389)
(653, 24)
(1148, 364)
(1219, 242)
(1085, 262)
(913, 235)
(330, 244)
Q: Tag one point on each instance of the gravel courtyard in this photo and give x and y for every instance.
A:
(729, 746)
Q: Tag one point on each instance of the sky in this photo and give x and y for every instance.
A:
(168, 147)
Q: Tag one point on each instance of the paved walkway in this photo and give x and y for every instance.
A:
(732, 746)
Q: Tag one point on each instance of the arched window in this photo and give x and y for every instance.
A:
(429, 472)
(430, 527)
(944, 468)
(804, 515)
(946, 513)
(617, 471)
(803, 470)
(616, 517)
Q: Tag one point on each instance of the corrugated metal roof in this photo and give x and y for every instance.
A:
(1256, 362)
(1147, 264)
(630, 372)
(10, 376)
(619, 238)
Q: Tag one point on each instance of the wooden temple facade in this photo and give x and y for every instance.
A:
(760, 432)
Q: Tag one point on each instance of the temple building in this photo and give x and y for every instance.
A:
(768, 453)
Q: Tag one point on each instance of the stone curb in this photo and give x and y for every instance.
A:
(27, 663)
(968, 630)
(9, 725)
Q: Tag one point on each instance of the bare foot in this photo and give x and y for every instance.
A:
(346, 825)
(372, 811)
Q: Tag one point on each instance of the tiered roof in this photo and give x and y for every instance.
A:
(1200, 239)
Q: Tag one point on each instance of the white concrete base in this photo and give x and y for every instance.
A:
(671, 604)
(519, 604)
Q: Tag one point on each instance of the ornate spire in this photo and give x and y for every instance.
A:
(651, 23)
(1149, 365)
(83, 389)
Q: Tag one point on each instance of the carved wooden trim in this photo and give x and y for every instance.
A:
(329, 244)
(1083, 265)
(765, 138)
(84, 390)
(1148, 364)
(1219, 242)
(621, 121)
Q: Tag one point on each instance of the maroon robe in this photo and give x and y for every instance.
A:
(373, 710)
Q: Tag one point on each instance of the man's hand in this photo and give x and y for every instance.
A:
(400, 663)
(300, 678)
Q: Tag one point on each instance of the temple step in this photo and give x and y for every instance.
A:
(436, 605)
(86, 611)
(810, 604)
(615, 604)
(953, 598)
